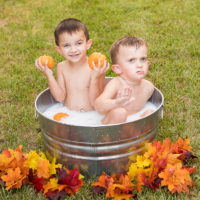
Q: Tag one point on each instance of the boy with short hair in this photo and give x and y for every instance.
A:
(128, 93)
(77, 85)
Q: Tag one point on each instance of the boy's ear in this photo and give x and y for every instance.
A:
(88, 44)
(117, 69)
(148, 63)
(57, 48)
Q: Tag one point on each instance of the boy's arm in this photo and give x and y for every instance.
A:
(56, 88)
(105, 102)
(97, 82)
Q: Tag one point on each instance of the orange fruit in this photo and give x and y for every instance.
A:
(95, 57)
(50, 60)
(59, 116)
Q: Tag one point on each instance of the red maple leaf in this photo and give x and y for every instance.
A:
(37, 182)
(70, 179)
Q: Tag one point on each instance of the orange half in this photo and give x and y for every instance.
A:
(59, 116)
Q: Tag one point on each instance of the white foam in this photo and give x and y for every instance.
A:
(91, 118)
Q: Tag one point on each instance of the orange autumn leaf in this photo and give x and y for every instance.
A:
(103, 181)
(19, 148)
(173, 159)
(126, 182)
(182, 144)
(176, 178)
(52, 185)
(43, 168)
(14, 178)
(150, 150)
(162, 147)
(6, 153)
(121, 188)
(11, 159)
(190, 169)
(140, 182)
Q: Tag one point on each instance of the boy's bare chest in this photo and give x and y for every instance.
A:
(77, 80)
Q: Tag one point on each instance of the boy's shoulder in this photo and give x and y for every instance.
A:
(113, 82)
(148, 83)
(148, 86)
(62, 65)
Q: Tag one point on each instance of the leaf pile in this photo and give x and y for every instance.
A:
(163, 164)
(53, 180)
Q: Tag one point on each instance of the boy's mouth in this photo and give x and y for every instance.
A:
(140, 72)
(74, 55)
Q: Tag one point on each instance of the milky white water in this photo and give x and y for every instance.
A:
(87, 118)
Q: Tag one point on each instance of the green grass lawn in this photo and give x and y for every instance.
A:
(172, 30)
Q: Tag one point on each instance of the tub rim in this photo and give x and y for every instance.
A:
(102, 125)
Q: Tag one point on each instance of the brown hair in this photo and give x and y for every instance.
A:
(125, 41)
(70, 26)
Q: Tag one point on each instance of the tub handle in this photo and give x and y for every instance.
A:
(36, 114)
(162, 112)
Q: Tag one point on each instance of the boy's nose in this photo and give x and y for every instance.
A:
(139, 64)
(73, 48)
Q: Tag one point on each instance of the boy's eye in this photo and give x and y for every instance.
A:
(66, 45)
(132, 60)
(79, 43)
(144, 59)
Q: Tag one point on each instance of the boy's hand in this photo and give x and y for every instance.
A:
(124, 97)
(44, 69)
(99, 71)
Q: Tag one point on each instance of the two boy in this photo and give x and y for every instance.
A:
(81, 88)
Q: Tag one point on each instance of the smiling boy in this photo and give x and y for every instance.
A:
(76, 84)
(126, 94)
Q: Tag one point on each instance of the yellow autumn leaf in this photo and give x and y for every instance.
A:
(133, 171)
(142, 164)
(51, 184)
(53, 166)
(42, 155)
(32, 160)
(81, 176)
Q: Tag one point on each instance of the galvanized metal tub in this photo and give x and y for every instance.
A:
(94, 149)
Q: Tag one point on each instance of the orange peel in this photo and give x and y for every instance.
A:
(59, 116)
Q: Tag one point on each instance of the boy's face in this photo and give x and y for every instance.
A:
(132, 63)
(73, 46)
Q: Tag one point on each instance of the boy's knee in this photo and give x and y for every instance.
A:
(119, 115)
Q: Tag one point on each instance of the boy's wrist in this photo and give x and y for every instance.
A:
(50, 77)
(94, 79)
